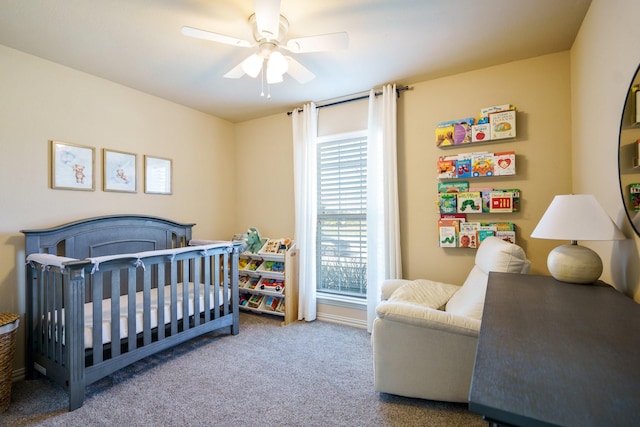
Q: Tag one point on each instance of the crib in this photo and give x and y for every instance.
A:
(103, 293)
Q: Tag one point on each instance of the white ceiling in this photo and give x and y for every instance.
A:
(138, 43)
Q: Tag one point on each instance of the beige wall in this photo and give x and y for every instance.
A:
(264, 176)
(539, 89)
(40, 101)
(604, 59)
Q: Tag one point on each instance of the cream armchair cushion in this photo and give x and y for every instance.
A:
(426, 332)
(493, 255)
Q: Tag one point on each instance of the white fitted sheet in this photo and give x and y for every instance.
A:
(124, 328)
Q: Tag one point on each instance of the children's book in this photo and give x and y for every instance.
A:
(469, 202)
(453, 187)
(447, 203)
(448, 232)
(634, 196)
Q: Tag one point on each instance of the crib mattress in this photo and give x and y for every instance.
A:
(123, 320)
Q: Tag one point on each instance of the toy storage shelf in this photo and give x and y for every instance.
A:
(270, 278)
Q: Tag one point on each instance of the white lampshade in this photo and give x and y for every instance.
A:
(575, 217)
(277, 65)
(252, 65)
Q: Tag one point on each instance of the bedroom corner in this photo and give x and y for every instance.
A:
(44, 101)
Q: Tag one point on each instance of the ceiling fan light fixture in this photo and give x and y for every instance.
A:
(252, 65)
(273, 76)
(277, 63)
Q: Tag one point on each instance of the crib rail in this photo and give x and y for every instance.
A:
(91, 317)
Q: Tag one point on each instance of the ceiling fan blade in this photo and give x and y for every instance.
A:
(267, 17)
(334, 41)
(236, 72)
(215, 37)
(299, 71)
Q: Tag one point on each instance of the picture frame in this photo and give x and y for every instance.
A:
(119, 171)
(157, 175)
(72, 166)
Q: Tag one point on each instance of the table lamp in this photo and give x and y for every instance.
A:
(575, 217)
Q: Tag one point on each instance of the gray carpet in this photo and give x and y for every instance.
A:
(303, 374)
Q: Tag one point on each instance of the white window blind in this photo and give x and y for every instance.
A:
(342, 203)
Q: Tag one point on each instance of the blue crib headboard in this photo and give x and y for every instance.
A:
(108, 235)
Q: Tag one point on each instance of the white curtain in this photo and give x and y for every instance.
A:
(383, 228)
(304, 166)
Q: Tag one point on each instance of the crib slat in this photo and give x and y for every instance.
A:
(207, 288)
(57, 339)
(115, 313)
(146, 304)
(185, 295)
(174, 297)
(43, 332)
(161, 286)
(195, 268)
(225, 281)
(96, 303)
(48, 332)
(131, 309)
(216, 284)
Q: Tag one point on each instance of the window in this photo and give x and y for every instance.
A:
(342, 216)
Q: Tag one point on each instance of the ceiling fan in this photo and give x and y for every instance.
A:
(269, 33)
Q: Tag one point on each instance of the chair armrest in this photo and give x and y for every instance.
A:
(389, 286)
(418, 315)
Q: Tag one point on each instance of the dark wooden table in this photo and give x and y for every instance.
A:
(557, 354)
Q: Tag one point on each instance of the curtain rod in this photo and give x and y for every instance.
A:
(354, 98)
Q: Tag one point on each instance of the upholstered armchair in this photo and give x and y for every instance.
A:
(425, 334)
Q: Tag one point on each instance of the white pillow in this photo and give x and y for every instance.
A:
(426, 293)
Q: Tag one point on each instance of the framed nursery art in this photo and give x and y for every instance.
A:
(157, 175)
(119, 171)
(72, 166)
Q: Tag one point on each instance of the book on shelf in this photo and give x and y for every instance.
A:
(453, 187)
(276, 246)
(448, 232)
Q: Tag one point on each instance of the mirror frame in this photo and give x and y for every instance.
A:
(628, 150)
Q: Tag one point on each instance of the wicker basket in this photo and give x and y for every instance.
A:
(8, 329)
